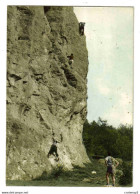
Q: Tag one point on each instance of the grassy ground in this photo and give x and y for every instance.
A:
(77, 178)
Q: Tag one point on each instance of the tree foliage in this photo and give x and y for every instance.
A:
(126, 177)
(99, 138)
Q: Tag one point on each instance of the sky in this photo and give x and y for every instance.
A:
(109, 39)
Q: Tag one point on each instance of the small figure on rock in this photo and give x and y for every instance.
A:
(111, 164)
(81, 28)
(71, 57)
(46, 9)
(53, 150)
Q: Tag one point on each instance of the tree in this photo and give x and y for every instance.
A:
(99, 138)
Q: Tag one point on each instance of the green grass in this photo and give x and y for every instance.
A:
(74, 178)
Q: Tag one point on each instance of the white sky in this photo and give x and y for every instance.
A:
(109, 37)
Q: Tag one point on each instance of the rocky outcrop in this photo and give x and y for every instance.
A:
(46, 97)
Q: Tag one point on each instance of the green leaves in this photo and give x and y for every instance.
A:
(99, 138)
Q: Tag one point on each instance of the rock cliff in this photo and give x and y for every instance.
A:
(46, 96)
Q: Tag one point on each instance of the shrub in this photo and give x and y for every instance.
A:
(57, 171)
(126, 178)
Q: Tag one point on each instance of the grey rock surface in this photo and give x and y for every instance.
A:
(46, 97)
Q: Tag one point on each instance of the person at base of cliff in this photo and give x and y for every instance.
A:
(53, 150)
(71, 57)
(111, 164)
(81, 28)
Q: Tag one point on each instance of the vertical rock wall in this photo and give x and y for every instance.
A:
(46, 97)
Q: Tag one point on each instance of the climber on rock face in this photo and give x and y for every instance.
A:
(53, 150)
(81, 28)
(71, 57)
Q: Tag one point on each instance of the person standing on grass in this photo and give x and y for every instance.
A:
(111, 164)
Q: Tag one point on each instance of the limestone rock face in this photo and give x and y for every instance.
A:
(46, 96)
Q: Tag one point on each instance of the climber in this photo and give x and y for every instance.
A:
(46, 9)
(53, 150)
(111, 164)
(81, 28)
(71, 57)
